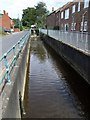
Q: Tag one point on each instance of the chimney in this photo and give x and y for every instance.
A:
(4, 12)
(52, 9)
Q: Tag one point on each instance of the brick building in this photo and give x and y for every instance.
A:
(50, 20)
(73, 16)
(6, 22)
(57, 18)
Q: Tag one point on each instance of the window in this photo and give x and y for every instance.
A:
(85, 26)
(78, 6)
(73, 26)
(67, 14)
(62, 15)
(86, 3)
(73, 8)
(81, 29)
(66, 27)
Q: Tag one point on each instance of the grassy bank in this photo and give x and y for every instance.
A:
(2, 33)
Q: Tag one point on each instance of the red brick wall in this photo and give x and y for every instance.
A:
(12, 24)
(16, 30)
(57, 18)
(6, 21)
(53, 20)
(75, 17)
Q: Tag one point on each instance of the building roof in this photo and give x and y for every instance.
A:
(4, 12)
(66, 6)
(51, 13)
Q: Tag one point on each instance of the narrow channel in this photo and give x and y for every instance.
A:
(53, 88)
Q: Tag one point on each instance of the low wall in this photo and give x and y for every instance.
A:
(76, 59)
(14, 92)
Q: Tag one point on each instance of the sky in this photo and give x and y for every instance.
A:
(15, 7)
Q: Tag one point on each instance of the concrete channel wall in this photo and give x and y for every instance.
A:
(76, 59)
(15, 91)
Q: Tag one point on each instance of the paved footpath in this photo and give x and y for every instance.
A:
(6, 42)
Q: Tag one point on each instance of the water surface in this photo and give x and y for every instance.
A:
(53, 88)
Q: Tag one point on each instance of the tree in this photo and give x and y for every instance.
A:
(41, 13)
(16, 22)
(28, 17)
(34, 15)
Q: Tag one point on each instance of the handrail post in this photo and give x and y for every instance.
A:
(7, 67)
(16, 49)
(86, 43)
(14, 52)
(19, 46)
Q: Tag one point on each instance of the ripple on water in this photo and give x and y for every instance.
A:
(49, 93)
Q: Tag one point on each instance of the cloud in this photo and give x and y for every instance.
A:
(14, 8)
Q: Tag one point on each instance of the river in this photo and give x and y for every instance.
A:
(53, 88)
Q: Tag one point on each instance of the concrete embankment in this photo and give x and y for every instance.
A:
(13, 94)
(76, 59)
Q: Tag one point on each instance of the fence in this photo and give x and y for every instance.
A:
(8, 60)
(78, 40)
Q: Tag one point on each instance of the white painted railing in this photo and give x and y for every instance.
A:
(78, 40)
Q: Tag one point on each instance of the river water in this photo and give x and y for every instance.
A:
(53, 88)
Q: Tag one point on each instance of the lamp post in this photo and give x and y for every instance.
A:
(19, 21)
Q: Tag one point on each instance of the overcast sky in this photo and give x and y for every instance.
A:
(15, 7)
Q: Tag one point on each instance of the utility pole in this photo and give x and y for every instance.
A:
(19, 21)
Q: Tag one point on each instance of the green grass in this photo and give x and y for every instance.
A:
(2, 33)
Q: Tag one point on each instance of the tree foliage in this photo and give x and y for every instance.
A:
(16, 22)
(35, 15)
(29, 16)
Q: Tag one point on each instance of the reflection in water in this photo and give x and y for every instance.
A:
(38, 50)
(53, 89)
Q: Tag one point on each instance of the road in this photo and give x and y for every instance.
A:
(7, 42)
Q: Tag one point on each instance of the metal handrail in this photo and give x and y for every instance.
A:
(77, 40)
(16, 49)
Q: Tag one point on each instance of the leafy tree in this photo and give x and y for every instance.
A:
(35, 15)
(28, 17)
(41, 13)
(16, 22)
